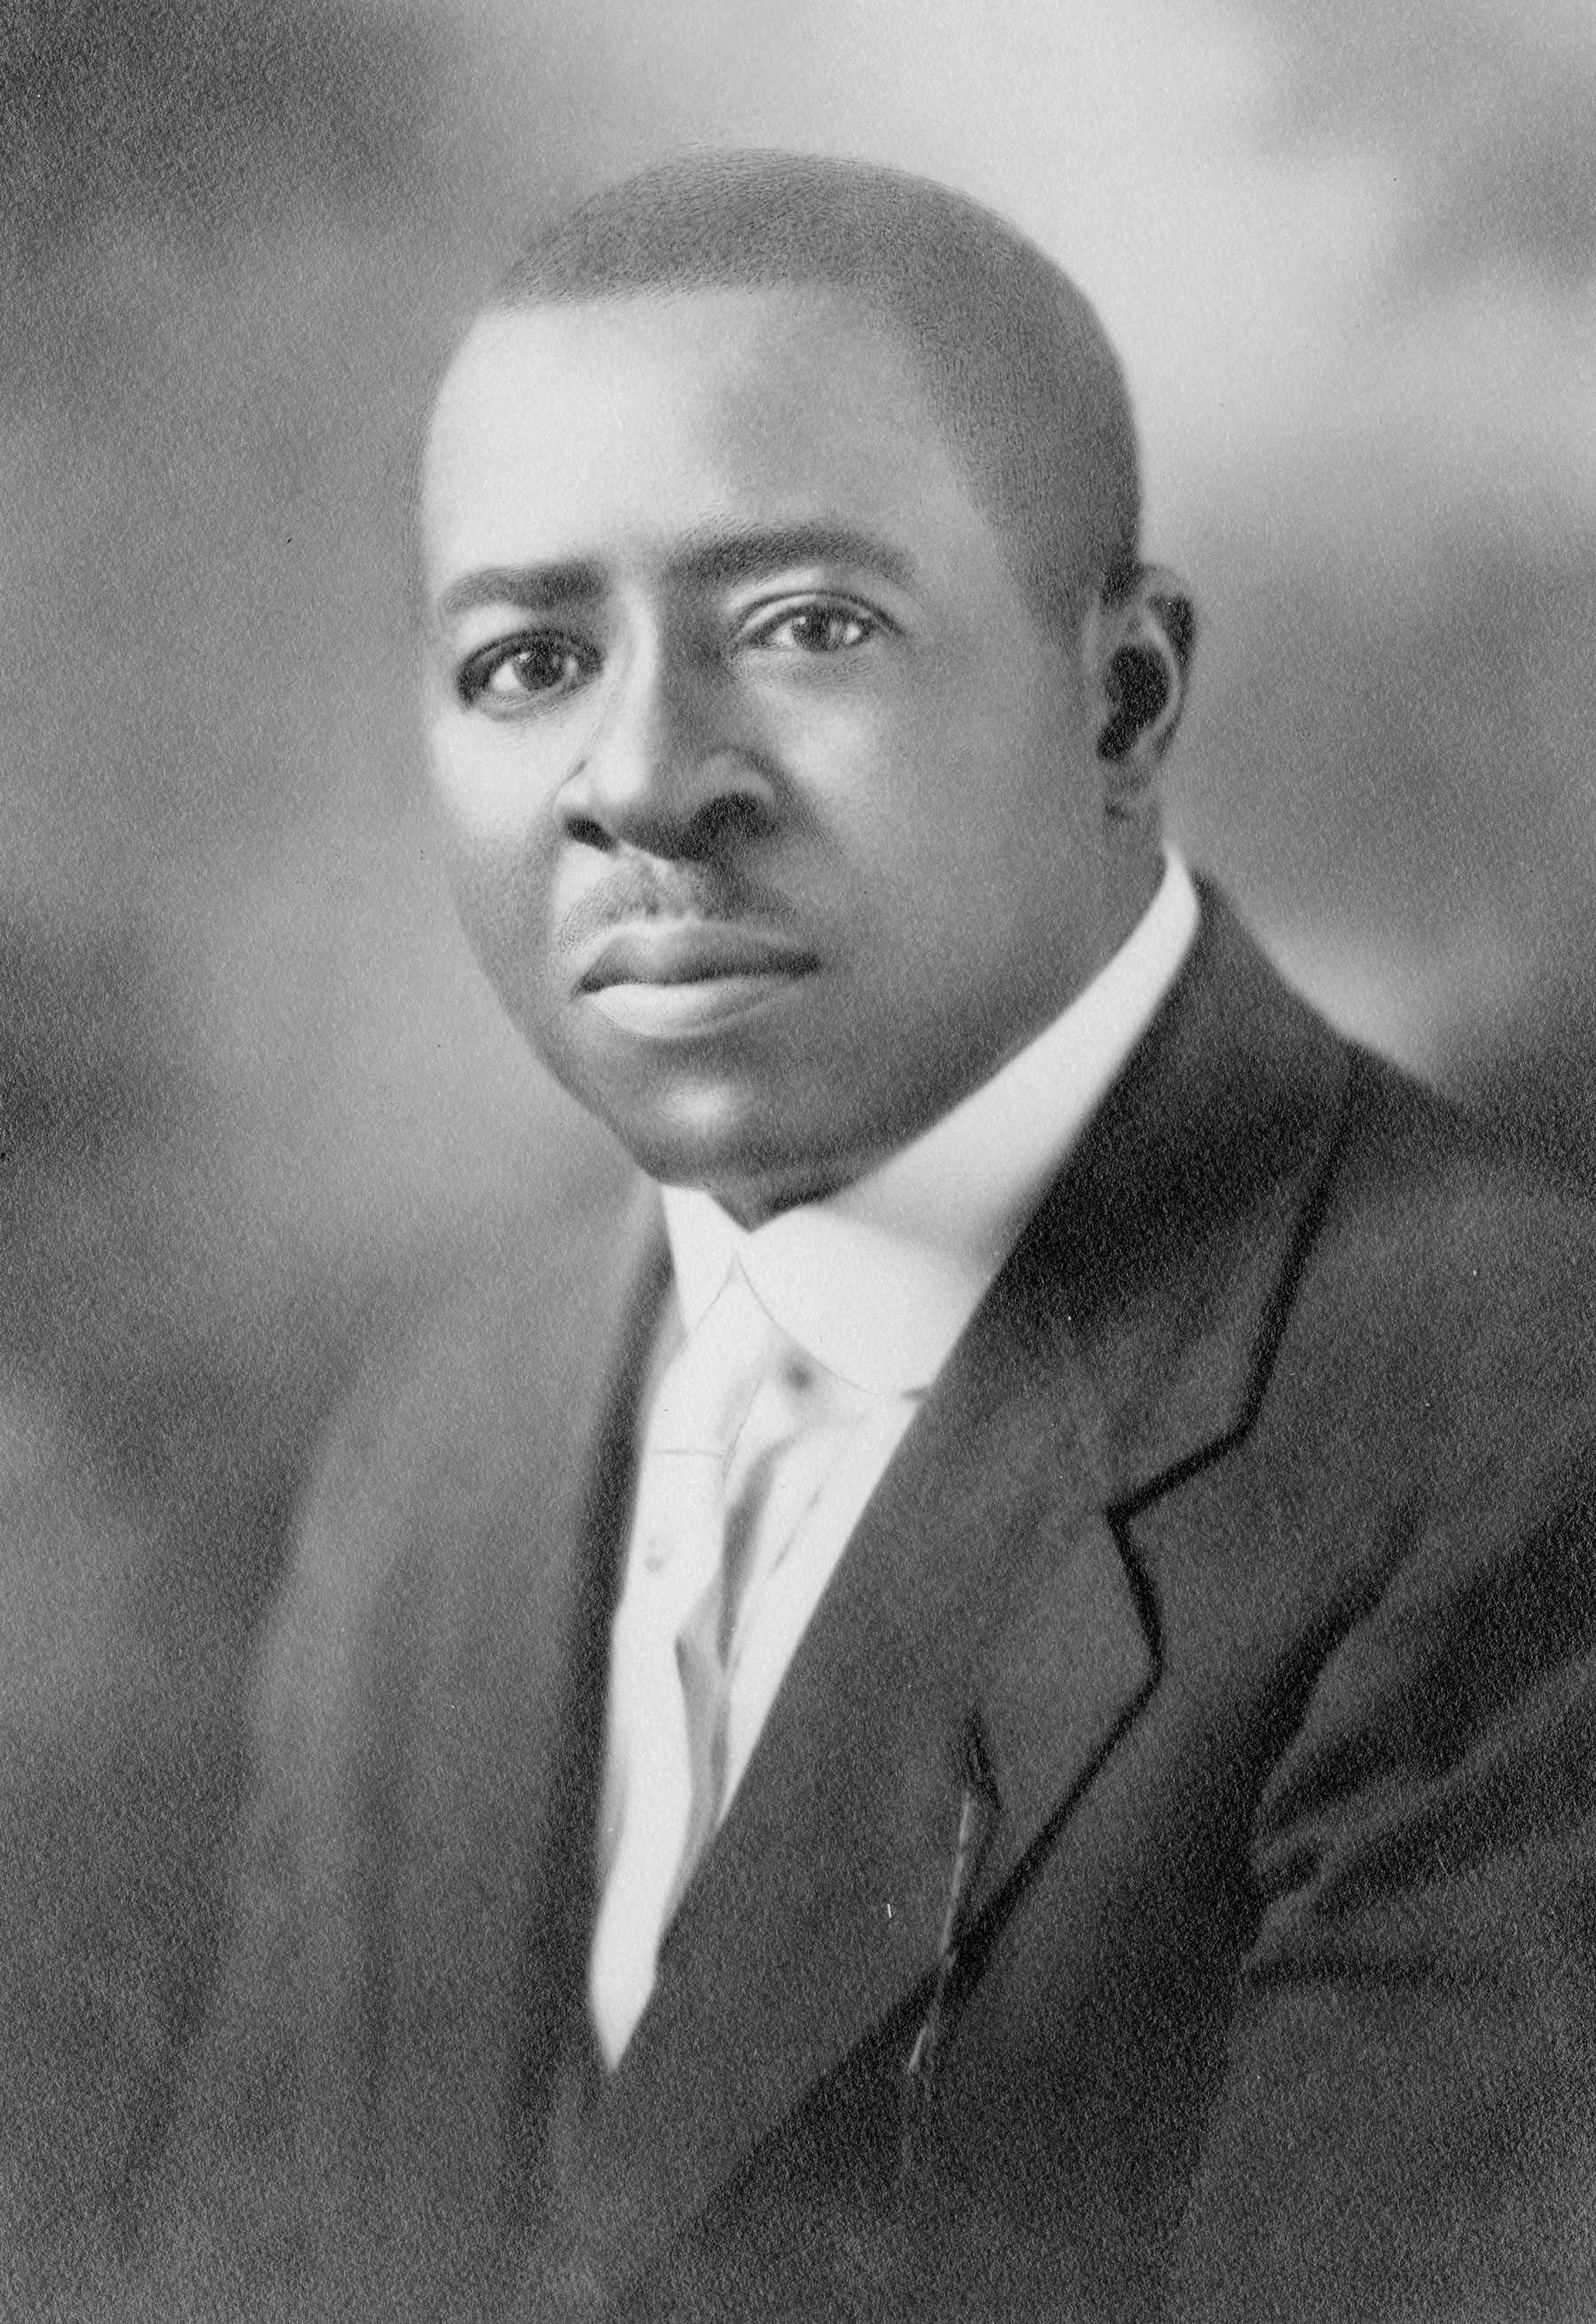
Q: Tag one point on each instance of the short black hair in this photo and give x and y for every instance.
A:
(1015, 364)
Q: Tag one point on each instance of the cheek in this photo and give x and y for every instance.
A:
(491, 792)
(868, 770)
(496, 859)
(936, 806)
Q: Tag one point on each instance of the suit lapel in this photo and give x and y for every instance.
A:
(1155, 1281)
(819, 1909)
(488, 1742)
(985, 1600)
(1174, 1239)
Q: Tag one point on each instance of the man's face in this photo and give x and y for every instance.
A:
(773, 809)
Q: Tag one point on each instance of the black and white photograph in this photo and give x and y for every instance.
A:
(797, 1162)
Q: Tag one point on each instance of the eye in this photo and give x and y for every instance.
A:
(540, 666)
(813, 625)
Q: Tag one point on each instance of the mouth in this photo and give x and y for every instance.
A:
(662, 979)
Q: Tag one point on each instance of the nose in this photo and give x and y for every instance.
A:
(670, 768)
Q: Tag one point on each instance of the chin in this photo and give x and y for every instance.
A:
(750, 1130)
(717, 1155)
(732, 1144)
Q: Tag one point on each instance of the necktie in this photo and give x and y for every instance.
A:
(666, 1679)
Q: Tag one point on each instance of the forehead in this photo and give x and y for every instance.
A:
(612, 427)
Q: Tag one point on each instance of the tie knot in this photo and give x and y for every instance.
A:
(711, 1383)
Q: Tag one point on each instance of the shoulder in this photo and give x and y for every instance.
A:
(1441, 1239)
(494, 1344)
(1422, 1412)
(453, 1472)
(1423, 1455)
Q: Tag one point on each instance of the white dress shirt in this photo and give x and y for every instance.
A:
(876, 1283)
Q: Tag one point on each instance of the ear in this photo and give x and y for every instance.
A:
(1140, 649)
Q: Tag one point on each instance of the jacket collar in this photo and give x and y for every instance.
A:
(983, 1623)
(1168, 1252)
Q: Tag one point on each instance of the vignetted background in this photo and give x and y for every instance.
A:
(1348, 248)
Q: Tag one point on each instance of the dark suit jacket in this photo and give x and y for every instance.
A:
(1165, 1884)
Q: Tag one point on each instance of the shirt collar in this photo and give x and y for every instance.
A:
(878, 1281)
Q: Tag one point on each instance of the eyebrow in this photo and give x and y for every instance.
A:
(735, 552)
(710, 553)
(533, 587)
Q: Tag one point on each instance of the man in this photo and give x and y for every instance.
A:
(985, 1708)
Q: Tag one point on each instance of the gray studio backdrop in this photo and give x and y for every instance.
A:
(246, 1077)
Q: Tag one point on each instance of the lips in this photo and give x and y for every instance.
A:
(664, 977)
(690, 952)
